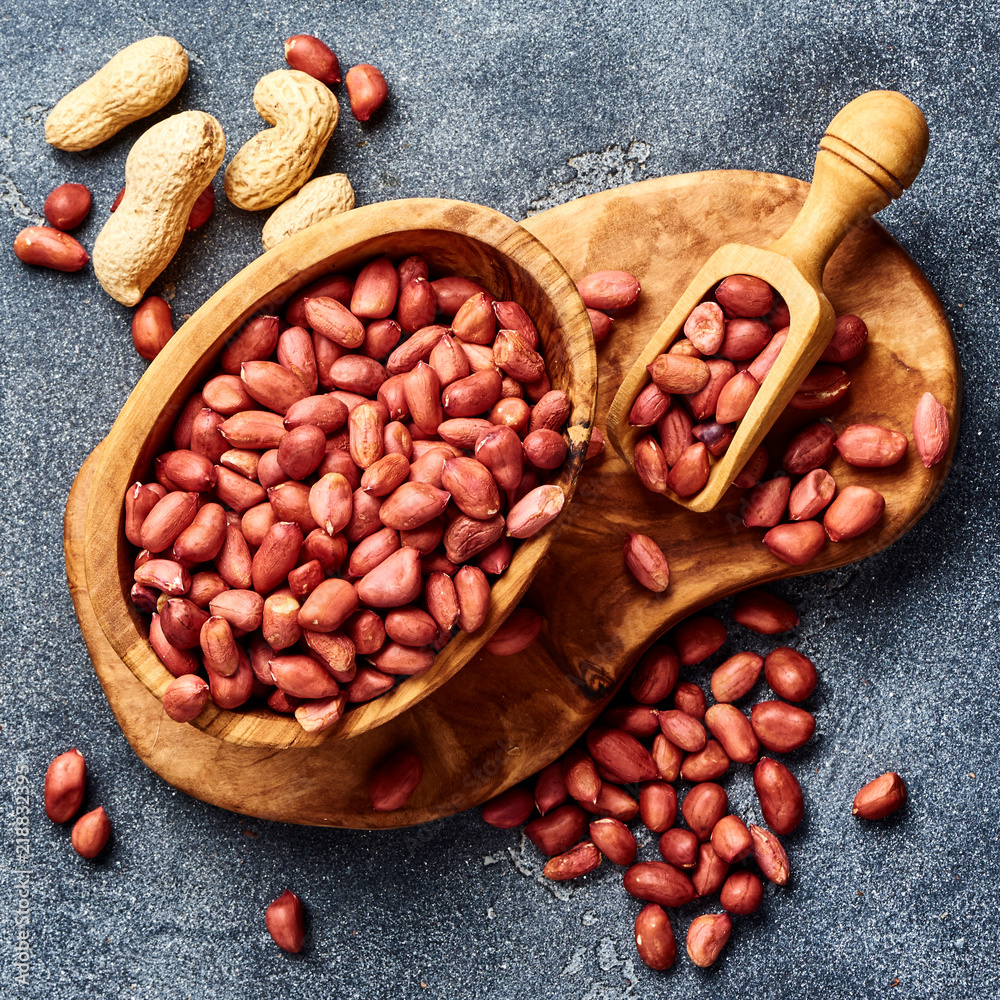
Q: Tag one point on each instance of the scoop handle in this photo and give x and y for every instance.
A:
(872, 151)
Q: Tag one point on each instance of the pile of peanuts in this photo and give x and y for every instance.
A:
(704, 385)
(292, 529)
(645, 740)
(649, 741)
(660, 730)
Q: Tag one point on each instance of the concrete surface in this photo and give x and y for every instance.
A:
(518, 105)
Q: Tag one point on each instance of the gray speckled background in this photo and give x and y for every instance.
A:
(520, 106)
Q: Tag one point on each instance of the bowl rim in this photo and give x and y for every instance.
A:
(261, 286)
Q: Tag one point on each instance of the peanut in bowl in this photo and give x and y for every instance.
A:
(454, 238)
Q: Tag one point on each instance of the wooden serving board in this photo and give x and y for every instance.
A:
(499, 719)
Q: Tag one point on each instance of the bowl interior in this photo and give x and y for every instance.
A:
(455, 238)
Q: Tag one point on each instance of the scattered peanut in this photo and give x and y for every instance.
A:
(367, 90)
(312, 56)
(770, 855)
(47, 247)
(558, 830)
(579, 860)
(64, 786)
(791, 675)
(152, 327)
(285, 922)
(608, 290)
(510, 808)
(780, 795)
(764, 612)
(91, 833)
(780, 727)
(67, 206)
(707, 936)
(614, 840)
(742, 893)
(646, 562)
(856, 510)
(654, 937)
(870, 446)
(880, 798)
(931, 430)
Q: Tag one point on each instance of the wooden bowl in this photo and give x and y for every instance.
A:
(455, 238)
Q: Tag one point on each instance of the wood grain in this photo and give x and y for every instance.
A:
(499, 720)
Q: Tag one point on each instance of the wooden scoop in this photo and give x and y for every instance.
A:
(872, 151)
